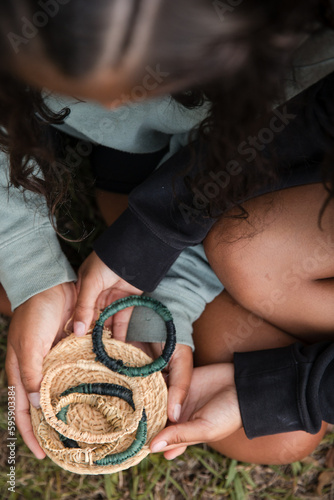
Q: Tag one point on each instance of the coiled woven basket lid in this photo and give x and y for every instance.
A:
(99, 417)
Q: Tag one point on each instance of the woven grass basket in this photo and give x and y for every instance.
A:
(102, 401)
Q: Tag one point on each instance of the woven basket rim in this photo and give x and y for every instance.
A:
(80, 460)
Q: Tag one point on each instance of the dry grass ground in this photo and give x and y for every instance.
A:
(200, 474)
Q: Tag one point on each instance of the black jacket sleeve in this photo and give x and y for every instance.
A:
(161, 221)
(285, 389)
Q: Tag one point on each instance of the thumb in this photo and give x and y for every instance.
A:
(22, 414)
(30, 366)
(180, 435)
(24, 361)
(180, 372)
(85, 306)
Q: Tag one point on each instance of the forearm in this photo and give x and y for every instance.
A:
(31, 259)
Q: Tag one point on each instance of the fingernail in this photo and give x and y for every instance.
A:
(79, 328)
(177, 412)
(159, 446)
(34, 398)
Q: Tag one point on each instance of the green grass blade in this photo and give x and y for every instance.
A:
(231, 473)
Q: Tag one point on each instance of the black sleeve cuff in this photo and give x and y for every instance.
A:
(135, 253)
(285, 389)
(266, 384)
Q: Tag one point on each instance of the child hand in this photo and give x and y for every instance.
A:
(178, 374)
(97, 287)
(210, 413)
(37, 324)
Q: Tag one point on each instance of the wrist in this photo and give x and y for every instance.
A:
(64, 295)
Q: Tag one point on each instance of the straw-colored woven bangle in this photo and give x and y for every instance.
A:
(99, 413)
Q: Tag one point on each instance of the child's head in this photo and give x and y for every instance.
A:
(233, 52)
(99, 49)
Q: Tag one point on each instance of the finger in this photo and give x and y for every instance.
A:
(41, 320)
(180, 372)
(85, 307)
(143, 346)
(22, 414)
(103, 300)
(66, 320)
(120, 324)
(30, 369)
(120, 321)
(23, 421)
(78, 283)
(171, 454)
(185, 434)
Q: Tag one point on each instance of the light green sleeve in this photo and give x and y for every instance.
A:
(189, 285)
(31, 259)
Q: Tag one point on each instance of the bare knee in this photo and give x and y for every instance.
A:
(242, 265)
(279, 264)
(274, 285)
(277, 449)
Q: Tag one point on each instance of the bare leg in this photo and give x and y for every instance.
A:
(265, 265)
(242, 331)
(230, 328)
(279, 264)
(226, 327)
(5, 307)
(111, 205)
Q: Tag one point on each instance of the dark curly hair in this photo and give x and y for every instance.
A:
(234, 54)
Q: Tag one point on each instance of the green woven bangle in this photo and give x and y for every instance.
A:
(117, 365)
(134, 448)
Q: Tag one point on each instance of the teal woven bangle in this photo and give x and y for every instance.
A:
(134, 448)
(117, 365)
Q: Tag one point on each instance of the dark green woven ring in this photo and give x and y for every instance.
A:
(104, 389)
(117, 365)
(134, 448)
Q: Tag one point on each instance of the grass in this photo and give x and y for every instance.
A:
(200, 474)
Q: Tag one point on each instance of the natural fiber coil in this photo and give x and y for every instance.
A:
(94, 420)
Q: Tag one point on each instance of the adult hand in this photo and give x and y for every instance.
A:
(177, 374)
(36, 326)
(210, 412)
(97, 287)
